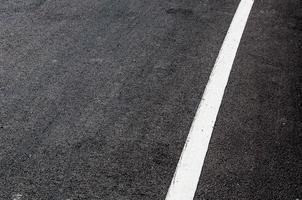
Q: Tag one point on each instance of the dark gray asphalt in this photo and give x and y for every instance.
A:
(256, 147)
(97, 98)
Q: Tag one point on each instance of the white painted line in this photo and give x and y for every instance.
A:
(185, 180)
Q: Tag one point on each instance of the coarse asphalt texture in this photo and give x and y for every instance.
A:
(97, 98)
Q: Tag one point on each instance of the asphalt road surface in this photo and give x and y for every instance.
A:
(97, 98)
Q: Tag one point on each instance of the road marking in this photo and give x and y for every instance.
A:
(186, 176)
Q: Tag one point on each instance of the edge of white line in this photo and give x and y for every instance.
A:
(188, 170)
